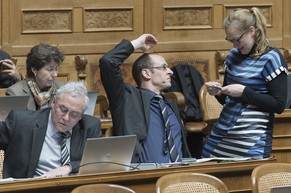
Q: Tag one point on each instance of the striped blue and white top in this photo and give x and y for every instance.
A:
(244, 130)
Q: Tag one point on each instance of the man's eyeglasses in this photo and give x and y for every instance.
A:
(64, 110)
(164, 67)
(235, 40)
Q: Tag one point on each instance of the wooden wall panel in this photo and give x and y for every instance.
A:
(193, 25)
(89, 27)
(1, 25)
(186, 29)
(78, 26)
(286, 22)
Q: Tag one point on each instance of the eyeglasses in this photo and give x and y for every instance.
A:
(235, 40)
(64, 110)
(164, 67)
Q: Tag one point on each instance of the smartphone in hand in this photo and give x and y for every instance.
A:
(216, 87)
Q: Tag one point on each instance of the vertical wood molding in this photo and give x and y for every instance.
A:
(286, 23)
(78, 19)
(217, 16)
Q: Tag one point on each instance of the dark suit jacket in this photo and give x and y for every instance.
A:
(22, 136)
(129, 106)
(21, 88)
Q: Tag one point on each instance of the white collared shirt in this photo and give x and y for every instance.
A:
(50, 156)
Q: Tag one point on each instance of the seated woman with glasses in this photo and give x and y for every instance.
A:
(254, 88)
(42, 65)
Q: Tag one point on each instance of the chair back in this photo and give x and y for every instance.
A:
(189, 183)
(102, 188)
(210, 107)
(176, 97)
(265, 176)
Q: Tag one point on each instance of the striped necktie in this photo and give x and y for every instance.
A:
(65, 156)
(168, 138)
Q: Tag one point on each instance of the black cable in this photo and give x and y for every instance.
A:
(115, 163)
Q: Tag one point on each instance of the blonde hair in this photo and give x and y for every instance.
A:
(246, 18)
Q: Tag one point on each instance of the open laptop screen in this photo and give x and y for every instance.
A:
(281, 189)
(92, 102)
(107, 154)
(7, 103)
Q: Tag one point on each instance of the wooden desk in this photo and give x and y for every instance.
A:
(282, 137)
(236, 175)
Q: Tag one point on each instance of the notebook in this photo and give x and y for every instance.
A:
(281, 189)
(11, 102)
(107, 154)
(93, 98)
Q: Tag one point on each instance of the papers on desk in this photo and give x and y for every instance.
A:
(188, 161)
(184, 162)
(12, 179)
(232, 159)
(20, 179)
(143, 166)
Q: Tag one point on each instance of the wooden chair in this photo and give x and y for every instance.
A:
(210, 107)
(102, 111)
(102, 188)
(103, 105)
(190, 183)
(220, 57)
(265, 176)
(179, 99)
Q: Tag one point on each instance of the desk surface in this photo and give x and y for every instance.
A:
(286, 114)
(236, 175)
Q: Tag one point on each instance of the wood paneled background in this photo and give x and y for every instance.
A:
(185, 29)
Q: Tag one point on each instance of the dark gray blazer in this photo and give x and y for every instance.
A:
(129, 106)
(21, 88)
(22, 136)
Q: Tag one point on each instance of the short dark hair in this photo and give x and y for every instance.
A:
(144, 61)
(40, 55)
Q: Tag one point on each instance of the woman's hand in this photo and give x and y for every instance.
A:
(213, 88)
(234, 90)
(11, 69)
